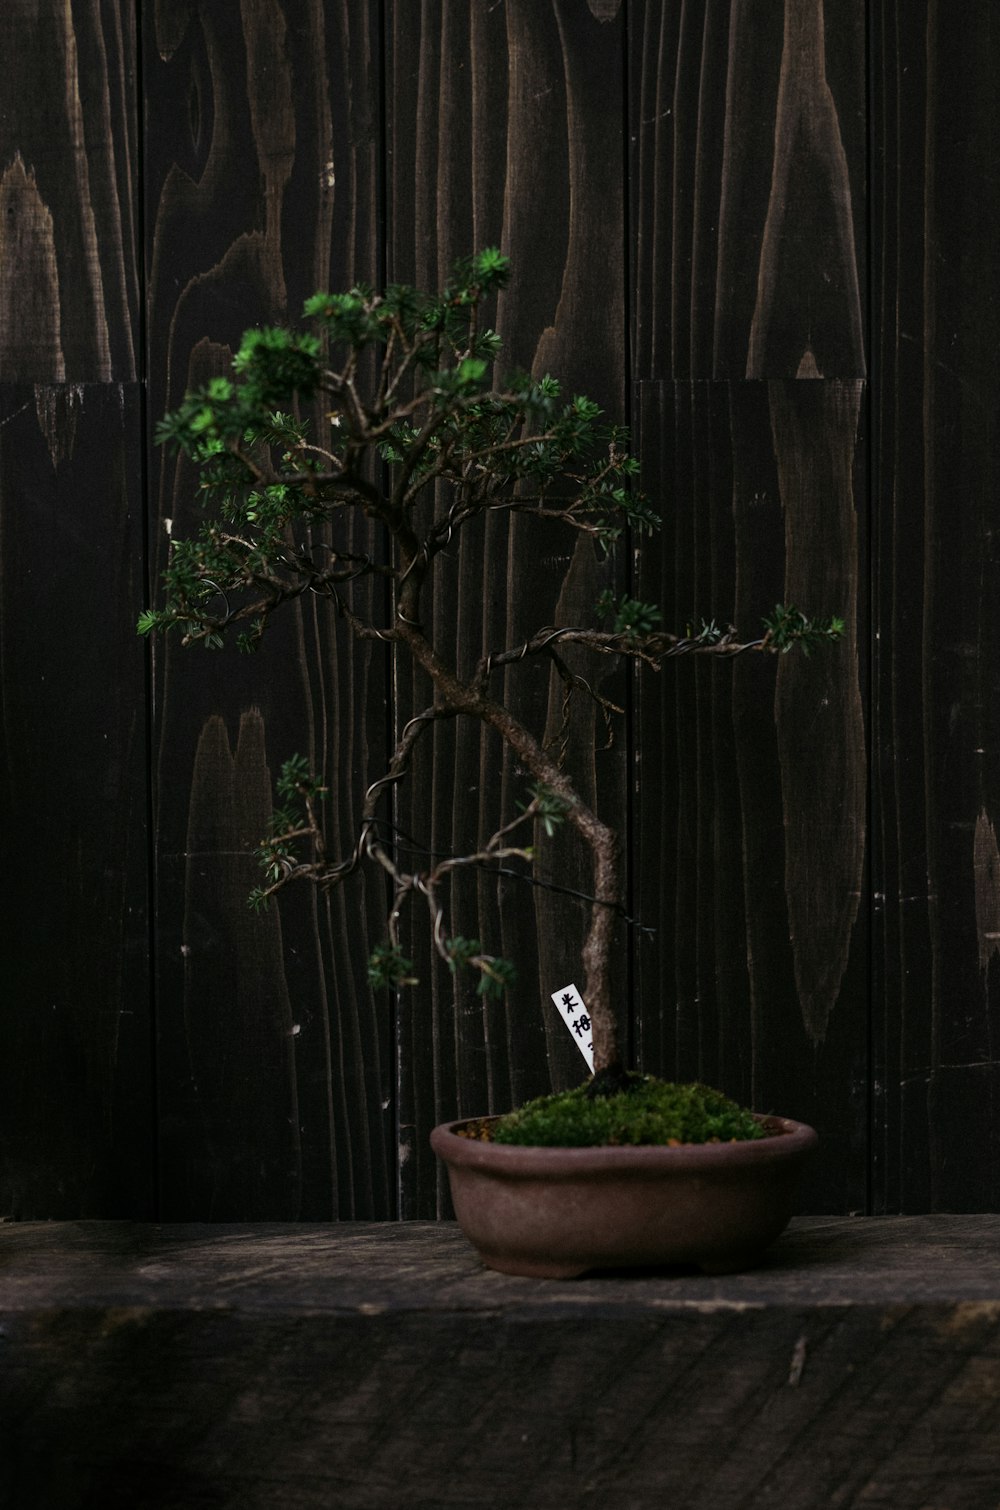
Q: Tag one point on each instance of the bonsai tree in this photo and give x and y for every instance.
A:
(416, 434)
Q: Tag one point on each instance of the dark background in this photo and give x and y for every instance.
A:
(763, 233)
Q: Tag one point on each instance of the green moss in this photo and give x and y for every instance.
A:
(651, 1111)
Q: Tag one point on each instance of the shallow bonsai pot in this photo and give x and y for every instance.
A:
(557, 1212)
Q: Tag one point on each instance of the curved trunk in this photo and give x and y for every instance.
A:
(597, 991)
(606, 853)
(605, 845)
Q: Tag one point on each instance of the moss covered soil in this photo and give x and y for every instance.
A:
(646, 1111)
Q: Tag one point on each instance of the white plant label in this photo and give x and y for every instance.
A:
(576, 1017)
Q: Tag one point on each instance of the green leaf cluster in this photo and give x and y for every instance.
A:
(275, 363)
(496, 975)
(628, 616)
(389, 969)
(787, 627)
(432, 412)
(360, 318)
(296, 779)
(549, 808)
(291, 823)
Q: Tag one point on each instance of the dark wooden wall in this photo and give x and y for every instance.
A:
(762, 231)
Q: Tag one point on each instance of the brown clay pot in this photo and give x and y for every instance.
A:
(557, 1212)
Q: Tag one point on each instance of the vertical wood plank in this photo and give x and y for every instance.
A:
(750, 844)
(750, 227)
(936, 199)
(505, 127)
(76, 1130)
(69, 290)
(275, 1063)
(748, 318)
(748, 126)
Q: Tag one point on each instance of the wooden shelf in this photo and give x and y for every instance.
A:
(287, 1366)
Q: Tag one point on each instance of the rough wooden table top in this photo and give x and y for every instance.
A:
(419, 1266)
(380, 1367)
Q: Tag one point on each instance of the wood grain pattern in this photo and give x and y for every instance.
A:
(304, 1367)
(69, 276)
(76, 1066)
(750, 223)
(749, 198)
(751, 807)
(385, 1268)
(276, 1086)
(810, 432)
(505, 128)
(818, 708)
(935, 196)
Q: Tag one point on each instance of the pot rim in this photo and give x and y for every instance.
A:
(789, 1140)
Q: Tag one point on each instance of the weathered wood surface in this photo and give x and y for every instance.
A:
(375, 1267)
(76, 1023)
(69, 195)
(781, 220)
(751, 809)
(936, 1069)
(276, 1070)
(506, 128)
(750, 220)
(749, 138)
(378, 1364)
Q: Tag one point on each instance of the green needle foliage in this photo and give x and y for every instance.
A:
(788, 628)
(388, 968)
(628, 616)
